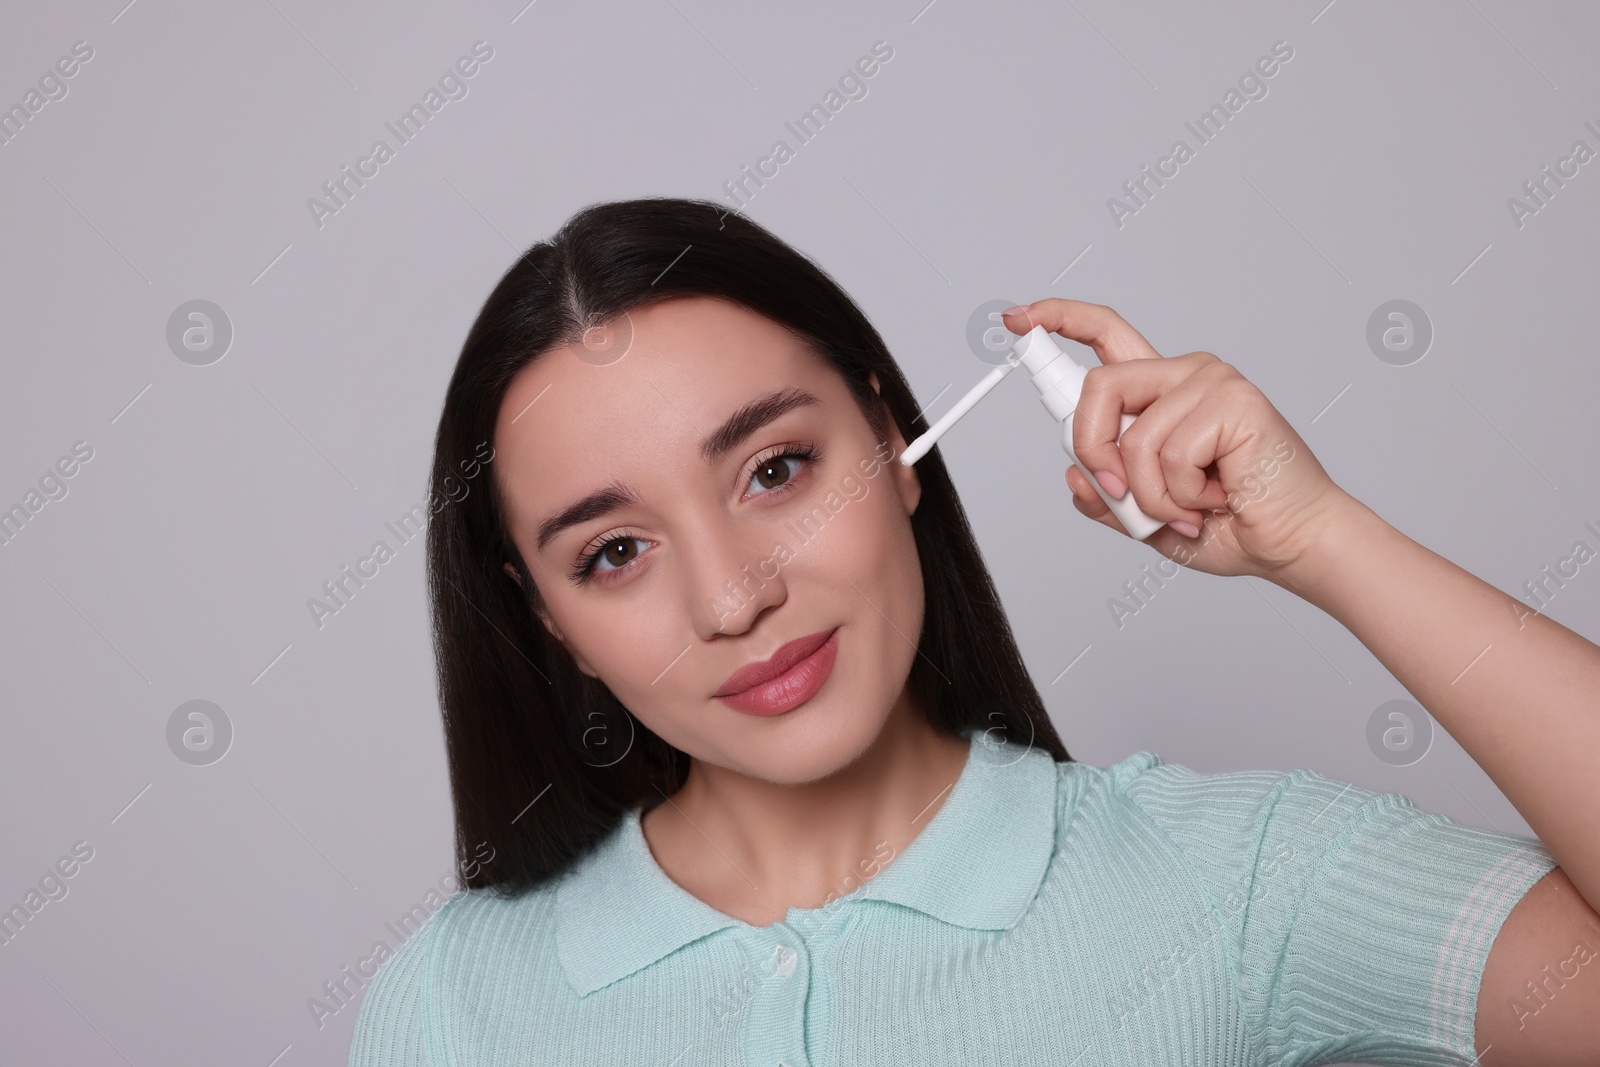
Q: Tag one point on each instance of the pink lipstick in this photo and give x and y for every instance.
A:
(788, 679)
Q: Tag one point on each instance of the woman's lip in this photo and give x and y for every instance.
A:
(753, 674)
(791, 688)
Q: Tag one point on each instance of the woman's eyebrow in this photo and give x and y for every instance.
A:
(741, 424)
(598, 503)
(750, 418)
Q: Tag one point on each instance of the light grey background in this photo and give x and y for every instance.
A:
(978, 166)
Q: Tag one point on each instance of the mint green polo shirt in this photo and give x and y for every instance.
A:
(1048, 913)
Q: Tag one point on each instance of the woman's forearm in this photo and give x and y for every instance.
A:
(1519, 691)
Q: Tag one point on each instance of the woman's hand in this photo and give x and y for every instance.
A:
(1207, 451)
(1514, 687)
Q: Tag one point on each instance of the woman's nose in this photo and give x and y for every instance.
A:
(732, 576)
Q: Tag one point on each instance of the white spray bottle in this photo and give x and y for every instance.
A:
(1059, 379)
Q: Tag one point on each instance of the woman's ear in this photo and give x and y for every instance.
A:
(906, 481)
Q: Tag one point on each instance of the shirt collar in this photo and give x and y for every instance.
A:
(977, 864)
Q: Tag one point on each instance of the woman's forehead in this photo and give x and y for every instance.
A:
(690, 358)
(691, 363)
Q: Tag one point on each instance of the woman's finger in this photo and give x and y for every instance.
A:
(1190, 448)
(1162, 489)
(1109, 334)
(1084, 494)
(1088, 502)
(1134, 386)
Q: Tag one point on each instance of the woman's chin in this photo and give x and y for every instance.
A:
(818, 739)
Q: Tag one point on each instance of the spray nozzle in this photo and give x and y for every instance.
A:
(1059, 379)
(1046, 362)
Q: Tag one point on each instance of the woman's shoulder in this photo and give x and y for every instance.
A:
(1222, 823)
(1203, 810)
(473, 930)
(474, 937)
(1151, 781)
(1146, 771)
(481, 924)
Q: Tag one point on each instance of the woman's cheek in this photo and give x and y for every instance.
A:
(640, 644)
(845, 547)
(877, 548)
(604, 633)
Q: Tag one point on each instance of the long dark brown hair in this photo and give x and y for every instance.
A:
(544, 760)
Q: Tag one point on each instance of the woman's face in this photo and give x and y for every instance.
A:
(717, 540)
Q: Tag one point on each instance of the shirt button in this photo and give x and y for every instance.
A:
(783, 958)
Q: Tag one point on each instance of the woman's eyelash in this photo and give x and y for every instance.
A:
(591, 556)
(792, 451)
(586, 563)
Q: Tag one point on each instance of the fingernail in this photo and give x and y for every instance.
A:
(1015, 310)
(1188, 529)
(1111, 483)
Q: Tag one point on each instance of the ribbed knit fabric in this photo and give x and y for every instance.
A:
(1049, 913)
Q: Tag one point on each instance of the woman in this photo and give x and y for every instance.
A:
(734, 713)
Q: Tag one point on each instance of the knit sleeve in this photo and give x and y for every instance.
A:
(390, 1028)
(1358, 924)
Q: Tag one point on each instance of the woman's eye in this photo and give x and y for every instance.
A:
(613, 550)
(774, 473)
(616, 552)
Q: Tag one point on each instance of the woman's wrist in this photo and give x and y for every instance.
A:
(1344, 542)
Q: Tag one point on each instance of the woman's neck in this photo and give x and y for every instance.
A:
(753, 849)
